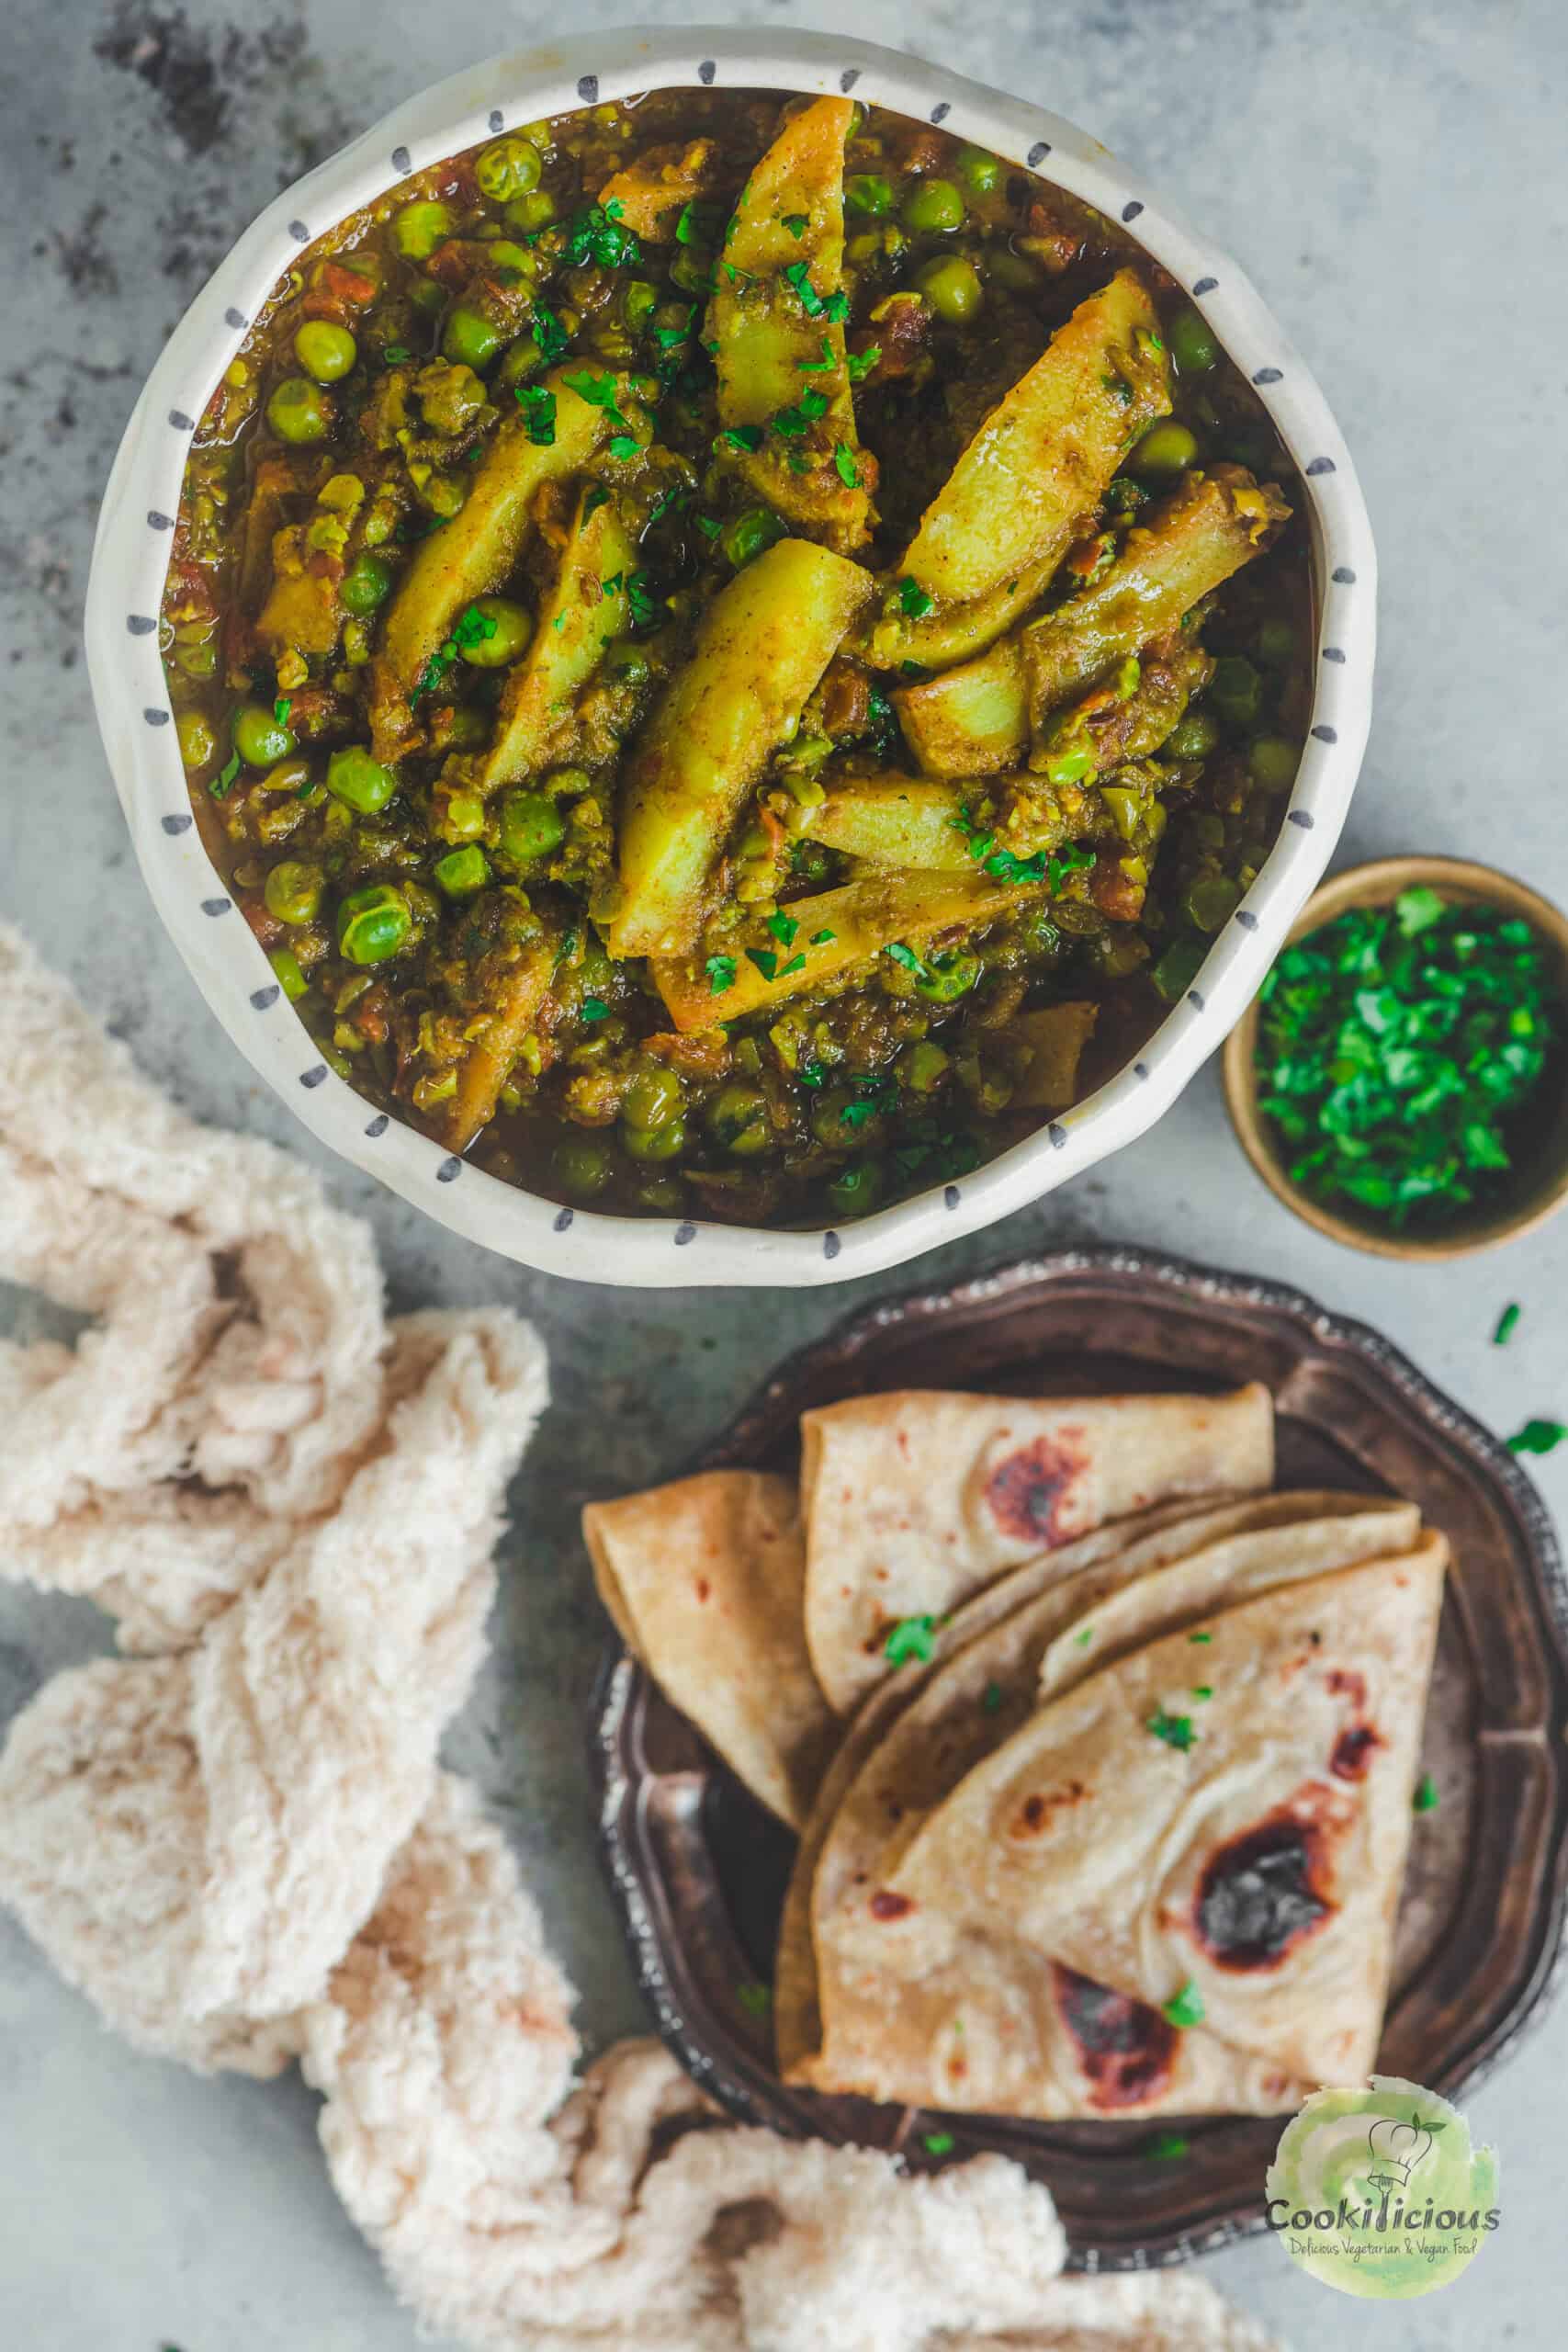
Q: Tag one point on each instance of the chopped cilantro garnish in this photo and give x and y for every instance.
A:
(784, 928)
(594, 1009)
(598, 496)
(222, 782)
(597, 234)
(623, 446)
(797, 224)
(939, 2144)
(991, 1699)
(720, 970)
(537, 403)
(913, 597)
(473, 627)
(1202, 1691)
(698, 224)
(396, 352)
(799, 276)
(1199, 1637)
(742, 436)
(1398, 1049)
(1177, 1731)
(1168, 2147)
(599, 391)
(822, 938)
(644, 604)
(820, 367)
(548, 334)
(860, 363)
(911, 1637)
(837, 309)
(1538, 1437)
(849, 473)
(1083, 1639)
(1184, 2007)
(904, 955)
(1505, 1323)
(710, 526)
(281, 708)
(806, 412)
(755, 1999)
(768, 964)
(1426, 1797)
(613, 586)
(914, 670)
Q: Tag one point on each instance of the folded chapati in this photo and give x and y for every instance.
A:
(915, 1500)
(704, 1580)
(888, 2033)
(1227, 1819)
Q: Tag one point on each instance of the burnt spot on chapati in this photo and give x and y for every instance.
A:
(1353, 1752)
(1124, 2048)
(1038, 1812)
(1029, 1491)
(885, 1904)
(1266, 1890)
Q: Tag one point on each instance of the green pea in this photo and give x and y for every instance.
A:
(360, 781)
(923, 1067)
(628, 663)
(1210, 901)
(1167, 449)
(1235, 691)
(420, 228)
(428, 296)
(531, 825)
(471, 338)
(738, 1118)
(325, 351)
(639, 302)
(462, 871)
(366, 584)
(198, 744)
(1255, 449)
(1179, 966)
(868, 192)
(856, 1189)
(1191, 341)
(293, 891)
(983, 172)
(297, 412)
(534, 211)
(290, 977)
(661, 1195)
(667, 1142)
(1276, 643)
(947, 977)
(373, 923)
(259, 736)
(653, 1098)
(951, 286)
(692, 271)
(1273, 762)
(1193, 737)
(747, 535)
(582, 1166)
(507, 167)
(1015, 270)
(933, 207)
(514, 627)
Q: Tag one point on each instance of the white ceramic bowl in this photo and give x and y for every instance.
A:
(131, 555)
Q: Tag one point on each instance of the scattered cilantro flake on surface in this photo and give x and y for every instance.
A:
(939, 2144)
(799, 276)
(1399, 1048)
(1199, 1637)
(720, 970)
(913, 598)
(860, 363)
(904, 955)
(623, 446)
(767, 963)
(797, 224)
(281, 708)
(640, 596)
(1203, 1690)
(991, 1699)
(595, 1008)
(1082, 1639)
(823, 938)
(396, 352)
(806, 412)
(598, 496)
(1184, 2007)
(1177, 1731)
(537, 403)
(742, 436)
(911, 1637)
(548, 334)
(754, 1998)
(1538, 1437)
(222, 782)
(784, 928)
(1506, 1325)
(597, 234)
(844, 463)
(1426, 1797)
(820, 367)
(1169, 2147)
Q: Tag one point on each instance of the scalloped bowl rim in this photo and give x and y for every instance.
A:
(130, 557)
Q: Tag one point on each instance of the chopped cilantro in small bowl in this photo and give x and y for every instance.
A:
(1401, 1081)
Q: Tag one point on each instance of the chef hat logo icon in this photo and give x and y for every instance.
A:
(1397, 2148)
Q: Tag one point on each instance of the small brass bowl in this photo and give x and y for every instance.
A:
(1535, 1187)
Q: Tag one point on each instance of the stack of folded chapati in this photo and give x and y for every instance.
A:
(1101, 1749)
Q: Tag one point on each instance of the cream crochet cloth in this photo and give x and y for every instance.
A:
(237, 1842)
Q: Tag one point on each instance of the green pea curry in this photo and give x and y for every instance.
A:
(734, 652)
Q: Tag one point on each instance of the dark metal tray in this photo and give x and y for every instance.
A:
(699, 1870)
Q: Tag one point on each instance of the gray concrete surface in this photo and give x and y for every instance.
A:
(1392, 173)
